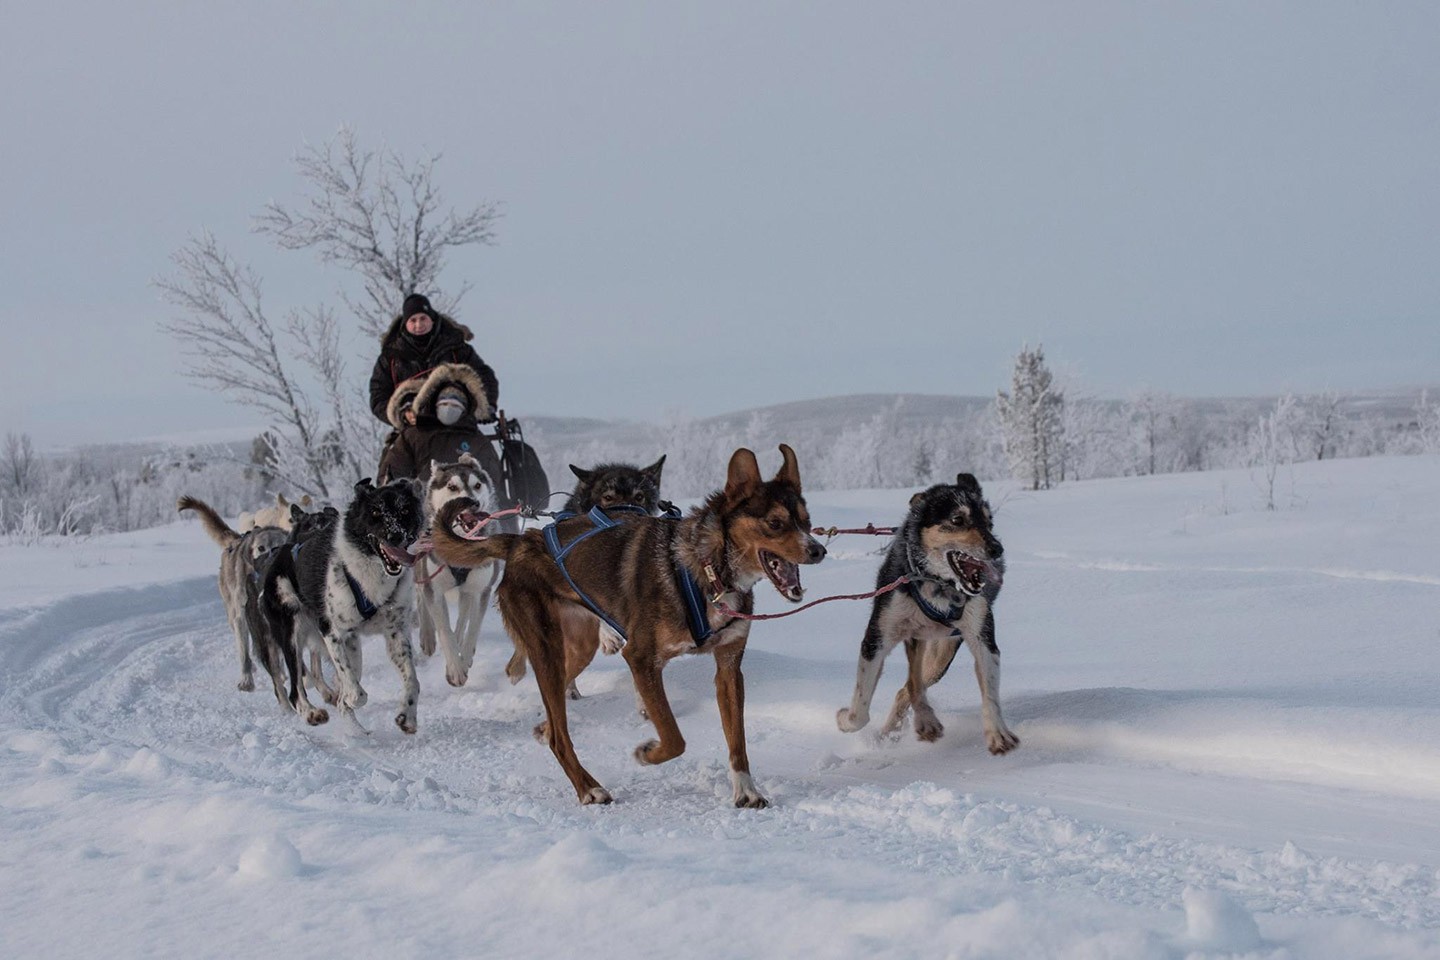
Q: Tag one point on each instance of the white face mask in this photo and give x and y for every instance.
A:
(448, 412)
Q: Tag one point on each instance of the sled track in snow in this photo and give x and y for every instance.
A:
(146, 678)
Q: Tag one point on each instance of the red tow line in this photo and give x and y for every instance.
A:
(725, 609)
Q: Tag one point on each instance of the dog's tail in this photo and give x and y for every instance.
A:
(218, 529)
(458, 551)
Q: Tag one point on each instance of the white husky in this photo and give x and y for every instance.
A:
(440, 586)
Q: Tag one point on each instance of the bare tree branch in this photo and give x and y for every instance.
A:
(377, 214)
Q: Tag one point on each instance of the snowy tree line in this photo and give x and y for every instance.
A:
(1082, 438)
(118, 488)
(103, 489)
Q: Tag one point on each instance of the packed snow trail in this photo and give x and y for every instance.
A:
(152, 808)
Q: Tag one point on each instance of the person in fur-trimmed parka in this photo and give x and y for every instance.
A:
(446, 404)
(419, 340)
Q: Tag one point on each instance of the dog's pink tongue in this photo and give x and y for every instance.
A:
(790, 577)
(399, 556)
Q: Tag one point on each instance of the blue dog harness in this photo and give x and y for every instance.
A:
(363, 604)
(695, 616)
(602, 521)
(943, 617)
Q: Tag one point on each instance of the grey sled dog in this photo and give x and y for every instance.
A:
(239, 551)
(948, 550)
(470, 588)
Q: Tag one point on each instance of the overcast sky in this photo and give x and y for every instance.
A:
(716, 206)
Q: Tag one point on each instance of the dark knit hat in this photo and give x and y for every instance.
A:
(416, 303)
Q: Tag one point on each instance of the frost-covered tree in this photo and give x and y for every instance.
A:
(1092, 437)
(1425, 429)
(1031, 420)
(19, 469)
(379, 216)
(1154, 418)
(1324, 423)
(382, 217)
(1272, 443)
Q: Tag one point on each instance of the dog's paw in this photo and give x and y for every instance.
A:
(747, 797)
(928, 729)
(541, 733)
(572, 691)
(611, 642)
(456, 677)
(427, 643)
(246, 684)
(891, 728)
(315, 716)
(595, 795)
(352, 725)
(405, 722)
(644, 751)
(849, 721)
(331, 697)
(1001, 740)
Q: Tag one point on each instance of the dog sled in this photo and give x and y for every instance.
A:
(512, 464)
(443, 414)
(521, 479)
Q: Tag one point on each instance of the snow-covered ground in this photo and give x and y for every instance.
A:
(1231, 746)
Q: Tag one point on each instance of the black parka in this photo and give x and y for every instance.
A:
(402, 358)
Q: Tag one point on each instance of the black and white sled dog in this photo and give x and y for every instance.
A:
(352, 577)
(948, 550)
(468, 588)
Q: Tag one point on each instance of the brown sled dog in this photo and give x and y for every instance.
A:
(752, 529)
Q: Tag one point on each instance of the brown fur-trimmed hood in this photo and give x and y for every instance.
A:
(446, 328)
(404, 394)
(461, 376)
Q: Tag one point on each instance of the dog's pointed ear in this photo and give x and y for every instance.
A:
(967, 482)
(434, 467)
(915, 500)
(306, 500)
(584, 475)
(743, 476)
(296, 513)
(280, 501)
(364, 485)
(471, 461)
(331, 511)
(416, 487)
(652, 472)
(790, 469)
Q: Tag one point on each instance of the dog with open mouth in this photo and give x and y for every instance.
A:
(351, 577)
(443, 588)
(665, 585)
(948, 550)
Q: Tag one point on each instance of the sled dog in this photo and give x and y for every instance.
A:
(955, 564)
(237, 556)
(352, 577)
(469, 588)
(609, 486)
(658, 580)
(281, 653)
(275, 515)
